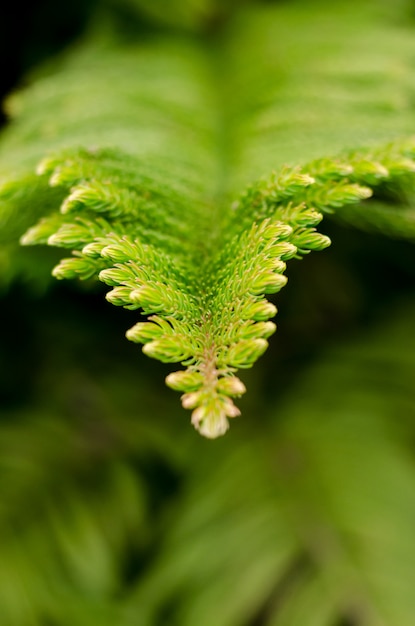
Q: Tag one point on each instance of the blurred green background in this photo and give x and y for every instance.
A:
(114, 512)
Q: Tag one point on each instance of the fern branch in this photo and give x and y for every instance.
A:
(224, 325)
(142, 204)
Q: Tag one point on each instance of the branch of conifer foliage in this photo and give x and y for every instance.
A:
(215, 318)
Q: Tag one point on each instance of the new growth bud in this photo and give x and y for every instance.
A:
(93, 249)
(150, 297)
(284, 250)
(168, 349)
(231, 386)
(75, 267)
(143, 332)
(244, 353)
(210, 419)
(268, 282)
(253, 330)
(210, 422)
(191, 400)
(311, 240)
(113, 276)
(277, 230)
(120, 296)
(259, 311)
(185, 380)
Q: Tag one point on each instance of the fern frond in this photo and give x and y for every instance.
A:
(224, 325)
(146, 202)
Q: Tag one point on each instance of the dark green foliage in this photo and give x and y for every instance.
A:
(183, 163)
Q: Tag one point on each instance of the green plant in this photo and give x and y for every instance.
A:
(146, 202)
(134, 155)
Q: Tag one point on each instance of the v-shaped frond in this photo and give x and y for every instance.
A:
(169, 132)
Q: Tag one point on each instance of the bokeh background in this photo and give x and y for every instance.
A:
(113, 512)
